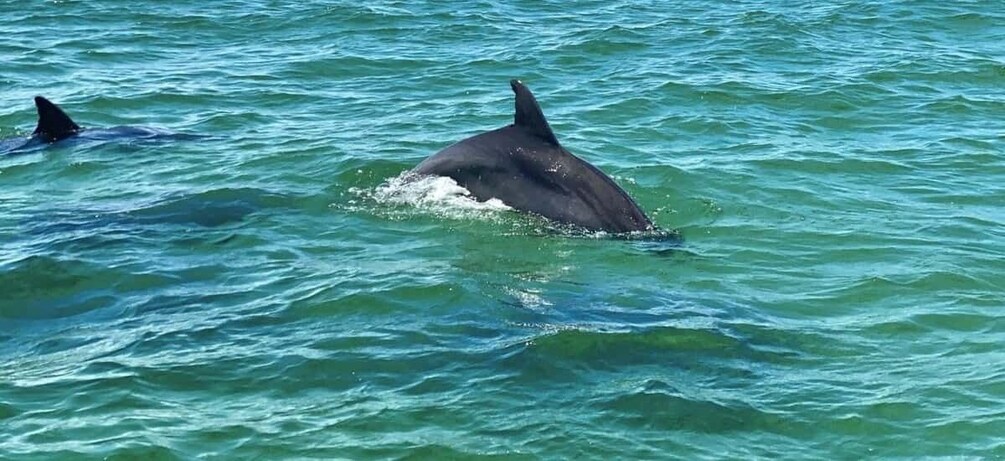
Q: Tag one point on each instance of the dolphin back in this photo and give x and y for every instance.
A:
(525, 166)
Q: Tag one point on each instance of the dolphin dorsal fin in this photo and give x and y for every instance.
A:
(528, 113)
(53, 123)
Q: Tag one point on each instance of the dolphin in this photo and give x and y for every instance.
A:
(55, 126)
(525, 166)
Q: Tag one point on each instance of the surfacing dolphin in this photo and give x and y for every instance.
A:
(525, 166)
(54, 126)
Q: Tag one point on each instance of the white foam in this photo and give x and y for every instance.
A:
(529, 298)
(436, 194)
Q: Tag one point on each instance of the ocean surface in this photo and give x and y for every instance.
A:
(261, 284)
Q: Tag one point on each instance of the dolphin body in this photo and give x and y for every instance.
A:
(525, 166)
(54, 126)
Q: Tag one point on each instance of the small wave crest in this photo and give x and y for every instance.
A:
(438, 195)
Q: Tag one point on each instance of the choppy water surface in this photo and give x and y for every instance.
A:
(271, 290)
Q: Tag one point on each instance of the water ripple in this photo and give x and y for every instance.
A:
(266, 288)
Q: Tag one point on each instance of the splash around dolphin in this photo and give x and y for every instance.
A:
(525, 167)
(55, 126)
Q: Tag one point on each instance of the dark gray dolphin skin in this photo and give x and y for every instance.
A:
(54, 126)
(525, 166)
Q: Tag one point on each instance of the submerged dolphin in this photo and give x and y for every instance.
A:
(524, 165)
(54, 126)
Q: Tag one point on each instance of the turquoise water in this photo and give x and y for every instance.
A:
(271, 290)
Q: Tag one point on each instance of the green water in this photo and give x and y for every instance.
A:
(271, 291)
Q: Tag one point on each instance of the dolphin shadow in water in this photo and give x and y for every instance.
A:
(55, 126)
(525, 166)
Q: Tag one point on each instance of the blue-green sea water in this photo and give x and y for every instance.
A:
(270, 289)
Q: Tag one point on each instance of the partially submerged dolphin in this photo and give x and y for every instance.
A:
(54, 126)
(524, 165)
